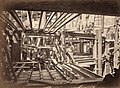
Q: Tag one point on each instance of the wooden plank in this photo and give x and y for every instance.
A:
(51, 75)
(27, 62)
(65, 82)
(81, 73)
(71, 74)
(20, 70)
(89, 72)
(61, 73)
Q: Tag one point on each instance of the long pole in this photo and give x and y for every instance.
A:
(100, 45)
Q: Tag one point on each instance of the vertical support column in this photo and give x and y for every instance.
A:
(116, 46)
(100, 52)
(100, 46)
(106, 49)
(62, 45)
(11, 58)
(19, 45)
(95, 53)
(107, 46)
(2, 57)
(79, 45)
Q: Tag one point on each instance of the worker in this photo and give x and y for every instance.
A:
(104, 60)
(41, 60)
(116, 76)
(118, 64)
(28, 54)
(111, 57)
(69, 52)
(106, 68)
(34, 54)
(24, 54)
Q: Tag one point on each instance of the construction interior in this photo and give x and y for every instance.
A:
(51, 44)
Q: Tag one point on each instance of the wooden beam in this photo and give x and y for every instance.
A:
(61, 73)
(30, 20)
(10, 28)
(49, 19)
(67, 21)
(35, 62)
(20, 70)
(8, 21)
(89, 72)
(78, 70)
(64, 19)
(69, 72)
(40, 73)
(62, 16)
(10, 63)
(30, 74)
(51, 75)
(40, 20)
(65, 82)
(16, 17)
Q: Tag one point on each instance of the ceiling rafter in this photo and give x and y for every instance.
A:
(30, 20)
(40, 20)
(10, 28)
(63, 15)
(16, 17)
(7, 20)
(49, 19)
(65, 22)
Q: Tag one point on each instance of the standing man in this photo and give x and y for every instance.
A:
(70, 52)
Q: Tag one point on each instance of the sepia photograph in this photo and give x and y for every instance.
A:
(59, 44)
